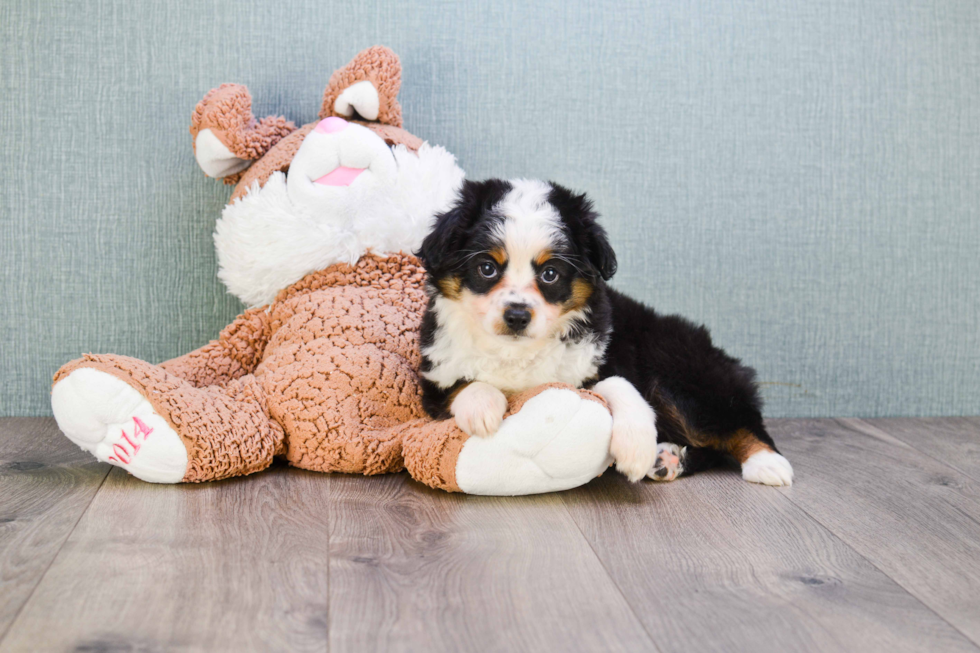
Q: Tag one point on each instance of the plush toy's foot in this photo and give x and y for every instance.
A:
(558, 439)
(111, 420)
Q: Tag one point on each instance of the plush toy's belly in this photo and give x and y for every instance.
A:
(341, 374)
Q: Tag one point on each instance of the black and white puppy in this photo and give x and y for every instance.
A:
(517, 274)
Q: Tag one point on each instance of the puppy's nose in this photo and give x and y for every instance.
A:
(517, 317)
(331, 125)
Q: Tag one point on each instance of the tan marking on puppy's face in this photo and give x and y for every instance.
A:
(449, 287)
(581, 292)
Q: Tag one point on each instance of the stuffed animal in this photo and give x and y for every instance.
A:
(322, 370)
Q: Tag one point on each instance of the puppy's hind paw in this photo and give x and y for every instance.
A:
(670, 462)
(767, 468)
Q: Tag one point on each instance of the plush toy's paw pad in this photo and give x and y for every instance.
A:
(670, 462)
(768, 468)
(633, 446)
(111, 420)
(556, 441)
(479, 409)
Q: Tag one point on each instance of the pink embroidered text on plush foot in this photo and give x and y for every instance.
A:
(123, 454)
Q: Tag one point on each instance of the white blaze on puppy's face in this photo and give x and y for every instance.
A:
(511, 299)
(530, 228)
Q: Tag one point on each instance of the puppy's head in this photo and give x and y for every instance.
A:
(517, 259)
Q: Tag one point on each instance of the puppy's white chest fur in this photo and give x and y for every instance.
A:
(462, 351)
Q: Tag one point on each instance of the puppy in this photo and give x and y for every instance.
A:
(516, 278)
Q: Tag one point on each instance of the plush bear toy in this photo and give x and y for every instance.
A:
(323, 369)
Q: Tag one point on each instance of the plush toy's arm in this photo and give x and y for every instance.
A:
(235, 353)
(553, 438)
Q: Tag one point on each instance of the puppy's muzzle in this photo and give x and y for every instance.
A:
(517, 317)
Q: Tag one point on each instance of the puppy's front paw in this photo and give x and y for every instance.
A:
(633, 447)
(479, 409)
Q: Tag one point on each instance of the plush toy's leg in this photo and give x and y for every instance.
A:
(552, 438)
(235, 353)
(160, 428)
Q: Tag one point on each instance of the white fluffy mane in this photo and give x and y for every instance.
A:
(266, 241)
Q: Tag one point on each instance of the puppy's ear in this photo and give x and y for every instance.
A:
(442, 250)
(434, 250)
(581, 220)
(601, 254)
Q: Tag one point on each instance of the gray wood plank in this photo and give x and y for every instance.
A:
(46, 483)
(235, 565)
(712, 563)
(916, 519)
(951, 440)
(414, 569)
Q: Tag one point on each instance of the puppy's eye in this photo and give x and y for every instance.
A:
(487, 270)
(549, 275)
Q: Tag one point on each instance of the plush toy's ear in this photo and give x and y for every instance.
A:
(366, 88)
(227, 137)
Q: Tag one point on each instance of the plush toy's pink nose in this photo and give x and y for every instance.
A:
(331, 125)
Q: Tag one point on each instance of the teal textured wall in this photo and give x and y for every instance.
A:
(803, 176)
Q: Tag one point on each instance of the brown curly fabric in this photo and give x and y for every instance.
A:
(430, 450)
(227, 110)
(394, 135)
(343, 360)
(236, 352)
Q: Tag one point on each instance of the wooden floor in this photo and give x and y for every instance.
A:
(875, 548)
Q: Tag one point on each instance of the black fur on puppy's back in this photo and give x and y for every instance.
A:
(702, 396)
